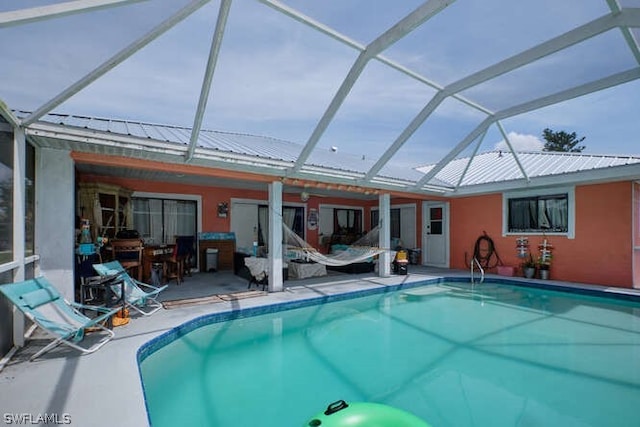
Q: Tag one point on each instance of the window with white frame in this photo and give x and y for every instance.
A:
(292, 217)
(548, 211)
(7, 188)
(394, 221)
(160, 220)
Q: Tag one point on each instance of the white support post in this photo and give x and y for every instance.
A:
(384, 239)
(275, 237)
(19, 165)
(54, 241)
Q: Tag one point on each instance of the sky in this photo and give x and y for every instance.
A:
(276, 76)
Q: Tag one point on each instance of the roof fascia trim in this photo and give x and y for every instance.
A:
(179, 167)
(108, 139)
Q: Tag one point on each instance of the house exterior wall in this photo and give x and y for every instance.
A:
(636, 235)
(212, 195)
(604, 219)
(601, 252)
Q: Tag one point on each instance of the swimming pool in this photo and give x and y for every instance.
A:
(494, 355)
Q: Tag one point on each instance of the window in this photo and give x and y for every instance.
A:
(347, 221)
(394, 221)
(6, 197)
(30, 200)
(292, 217)
(160, 220)
(550, 211)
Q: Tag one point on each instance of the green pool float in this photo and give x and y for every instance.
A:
(362, 414)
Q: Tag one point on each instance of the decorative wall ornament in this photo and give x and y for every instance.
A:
(312, 219)
(223, 209)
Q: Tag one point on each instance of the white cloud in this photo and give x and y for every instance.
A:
(521, 142)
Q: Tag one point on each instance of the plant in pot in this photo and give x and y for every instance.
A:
(543, 268)
(529, 268)
(544, 261)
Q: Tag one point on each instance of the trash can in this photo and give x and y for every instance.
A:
(415, 256)
(156, 274)
(212, 259)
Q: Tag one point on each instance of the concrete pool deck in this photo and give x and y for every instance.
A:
(104, 388)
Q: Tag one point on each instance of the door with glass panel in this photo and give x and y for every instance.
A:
(159, 220)
(292, 217)
(435, 234)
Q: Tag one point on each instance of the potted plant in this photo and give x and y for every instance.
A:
(543, 269)
(544, 261)
(529, 268)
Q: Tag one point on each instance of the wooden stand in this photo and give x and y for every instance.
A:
(225, 248)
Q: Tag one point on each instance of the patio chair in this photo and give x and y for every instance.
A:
(258, 269)
(138, 295)
(44, 306)
(185, 253)
(129, 253)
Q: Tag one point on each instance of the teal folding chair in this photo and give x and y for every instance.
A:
(41, 302)
(137, 295)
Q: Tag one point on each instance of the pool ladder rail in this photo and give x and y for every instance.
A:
(475, 262)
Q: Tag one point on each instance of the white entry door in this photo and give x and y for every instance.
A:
(435, 234)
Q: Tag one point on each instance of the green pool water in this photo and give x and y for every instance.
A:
(494, 356)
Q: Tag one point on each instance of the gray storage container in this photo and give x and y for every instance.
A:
(212, 259)
(415, 256)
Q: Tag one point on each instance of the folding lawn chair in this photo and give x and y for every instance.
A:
(42, 304)
(138, 295)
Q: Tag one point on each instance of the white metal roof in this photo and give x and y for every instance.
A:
(489, 171)
(497, 167)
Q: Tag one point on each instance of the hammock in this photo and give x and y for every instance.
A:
(361, 250)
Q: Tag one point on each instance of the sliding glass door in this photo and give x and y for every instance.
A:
(292, 217)
(159, 220)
